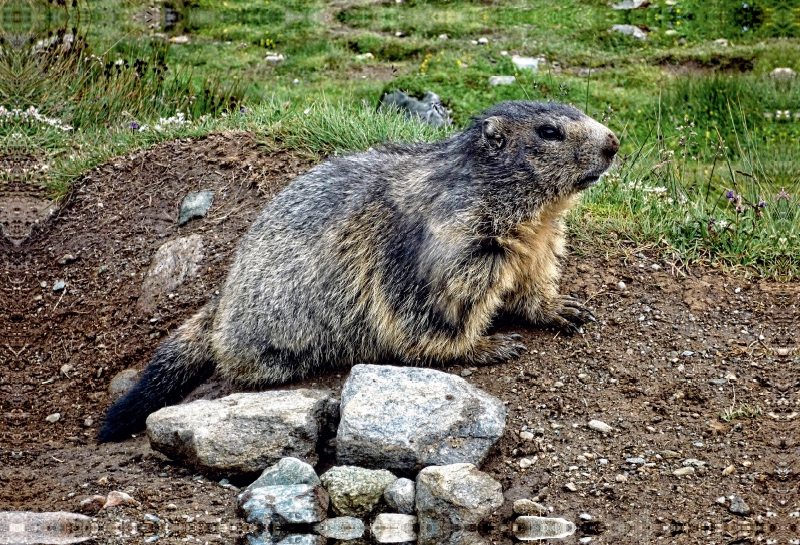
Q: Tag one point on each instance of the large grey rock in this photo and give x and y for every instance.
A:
(287, 471)
(453, 499)
(280, 505)
(195, 205)
(405, 418)
(428, 110)
(242, 433)
(344, 528)
(57, 528)
(174, 262)
(355, 491)
(394, 528)
(400, 496)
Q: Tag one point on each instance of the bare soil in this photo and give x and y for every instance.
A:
(672, 350)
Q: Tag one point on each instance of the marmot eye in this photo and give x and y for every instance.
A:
(549, 132)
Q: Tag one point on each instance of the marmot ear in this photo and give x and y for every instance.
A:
(492, 132)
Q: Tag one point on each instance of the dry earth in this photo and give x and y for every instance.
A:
(668, 355)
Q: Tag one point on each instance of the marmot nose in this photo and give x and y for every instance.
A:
(611, 146)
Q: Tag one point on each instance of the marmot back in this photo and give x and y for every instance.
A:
(403, 253)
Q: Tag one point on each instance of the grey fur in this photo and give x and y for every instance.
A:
(408, 252)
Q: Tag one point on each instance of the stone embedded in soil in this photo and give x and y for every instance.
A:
(531, 528)
(123, 382)
(494, 81)
(287, 471)
(529, 507)
(281, 505)
(404, 418)
(631, 4)
(59, 285)
(401, 495)
(195, 205)
(394, 528)
(242, 433)
(683, 471)
(739, 507)
(599, 425)
(452, 497)
(173, 263)
(92, 504)
(355, 491)
(345, 528)
(57, 528)
(116, 498)
(53, 418)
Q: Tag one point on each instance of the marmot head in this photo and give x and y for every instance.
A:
(542, 149)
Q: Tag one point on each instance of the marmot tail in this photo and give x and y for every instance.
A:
(179, 365)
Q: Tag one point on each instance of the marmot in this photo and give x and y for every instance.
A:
(404, 253)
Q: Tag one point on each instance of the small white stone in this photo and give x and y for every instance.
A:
(53, 418)
(494, 81)
(483, 41)
(599, 425)
(525, 463)
(688, 470)
(622, 286)
(394, 528)
(526, 436)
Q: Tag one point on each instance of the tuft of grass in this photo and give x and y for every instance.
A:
(743, 410)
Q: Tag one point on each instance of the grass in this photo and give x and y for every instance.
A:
(697, 119)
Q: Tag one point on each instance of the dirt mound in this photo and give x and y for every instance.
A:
(667, 356)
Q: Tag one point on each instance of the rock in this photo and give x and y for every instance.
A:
(59, 527)
(355, 491)
(92, 504)
(783, 73)
(632, 4)
(53, 418)
(428, 110)
(571, 487)
(528, 507)
(525, 463)
(452, 497)
(739, 507)
(722, 42)
(585, 517)
(526, 436)
(688, 470)
(287, 471)
(281, 505)
(530, 528)
(494, 81)
(483, 41)
(301, 539)
(195, 205)
(630, 30)
(636, 461)
(66, 259)
(525, 63)
(599, 425)
(116, 498)
(242, 433)
(401, 495)
(59, 285)
(275, 59)
(340, 528)
(179, 39)
(405, 418)
(394, 528)
(669, 454)
(122, 382)
(174, 262)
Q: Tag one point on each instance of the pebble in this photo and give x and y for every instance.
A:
(722, 500)
(636, 461)
(116, 498)
(526, 436)
(621, 478)
(525, 463)
(585, 539)
(401, 496)
(483, 41)
(688, 470)
(570, 486)
(687, 353)
(655, 267)
(583, 377)
(622, 286)
(529, 507)
(53, 418)
(466, 373)
(195, 205)
(59, 285)
(599, 425)
(739, 507)
(729, 470)
(88, 422)
(667, 454)
(585, 516)
(697, 444)
(92, 504)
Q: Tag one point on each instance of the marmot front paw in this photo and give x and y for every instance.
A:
(497, 349)
(569, 315)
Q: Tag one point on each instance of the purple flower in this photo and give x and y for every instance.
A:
(711, 221)
(134, 125)
(762, 204)
(730, 194)
(242, 109)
